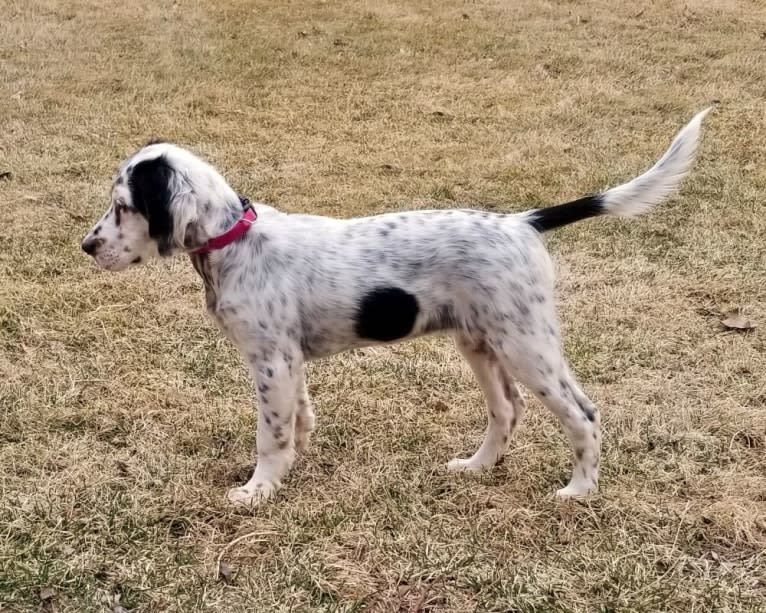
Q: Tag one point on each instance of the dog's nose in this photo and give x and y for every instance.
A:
(89, 245)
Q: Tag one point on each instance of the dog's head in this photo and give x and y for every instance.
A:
(164, 200)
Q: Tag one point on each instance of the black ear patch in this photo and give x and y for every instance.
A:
(386, 314)
(150, 189)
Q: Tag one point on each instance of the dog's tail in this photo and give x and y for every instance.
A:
(635, 197)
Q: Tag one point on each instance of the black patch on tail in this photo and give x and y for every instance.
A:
(561, 215)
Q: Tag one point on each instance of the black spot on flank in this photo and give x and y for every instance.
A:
(269, 372)
(136, 260)
(267, 419)
(120, 236)
(383, 232)
(578, 454)
(542, 393)
(263, 388)
(391, 225)
(386, 314)
(126, 249)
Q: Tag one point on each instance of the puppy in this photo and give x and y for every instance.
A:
(291, 288)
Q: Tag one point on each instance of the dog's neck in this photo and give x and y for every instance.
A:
(216, 213)
(208, 272)
(207, 263)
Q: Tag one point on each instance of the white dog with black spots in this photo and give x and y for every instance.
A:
(290, 288)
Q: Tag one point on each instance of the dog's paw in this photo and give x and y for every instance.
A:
(251, 496)
(459, 465)
(302, 441)
(575, 491)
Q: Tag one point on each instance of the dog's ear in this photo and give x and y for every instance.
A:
(151, 185)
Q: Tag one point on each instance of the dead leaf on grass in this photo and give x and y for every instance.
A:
(225, 573)
(47, 593)
(736, 321)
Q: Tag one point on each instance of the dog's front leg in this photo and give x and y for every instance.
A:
(276, 379)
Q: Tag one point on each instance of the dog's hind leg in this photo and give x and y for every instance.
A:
(505, 405)
(304, 416)
(542, 368)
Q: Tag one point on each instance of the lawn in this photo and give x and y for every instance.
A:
(125, 416)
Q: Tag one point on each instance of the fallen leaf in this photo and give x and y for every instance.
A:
(737, 321)
(440, 116)
(225, 573)
(116, 606)
(47, 593)
(440, 405)
(6, 174)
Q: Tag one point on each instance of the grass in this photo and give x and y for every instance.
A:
(125, 416)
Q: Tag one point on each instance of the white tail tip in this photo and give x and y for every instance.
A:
(662, 180)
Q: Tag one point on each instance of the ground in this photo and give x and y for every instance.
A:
(126, 416)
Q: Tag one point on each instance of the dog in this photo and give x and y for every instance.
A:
(289, 288)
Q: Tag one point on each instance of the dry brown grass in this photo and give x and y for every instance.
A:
(125, 416)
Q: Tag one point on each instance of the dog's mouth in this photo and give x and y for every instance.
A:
(110, 262)
(106, 260)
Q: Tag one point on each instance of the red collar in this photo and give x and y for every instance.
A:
(237, 231)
